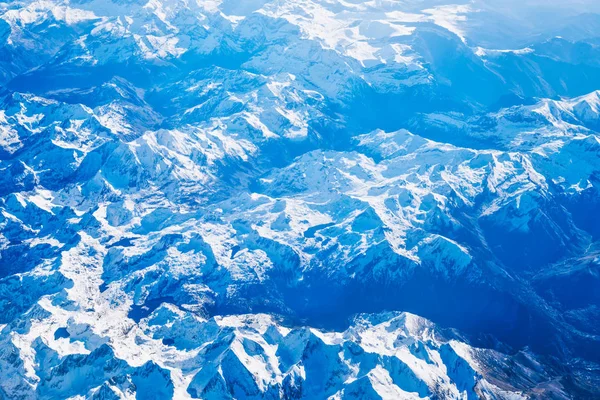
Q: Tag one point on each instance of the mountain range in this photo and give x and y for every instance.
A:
(299, 199)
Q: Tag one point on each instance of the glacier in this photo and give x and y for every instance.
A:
(299, 199)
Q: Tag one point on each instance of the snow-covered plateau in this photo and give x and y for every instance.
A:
(299, 199)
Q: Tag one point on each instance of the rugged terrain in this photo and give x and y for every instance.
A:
(299, 199)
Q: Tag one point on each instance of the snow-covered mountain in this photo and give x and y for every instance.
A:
(299, 199)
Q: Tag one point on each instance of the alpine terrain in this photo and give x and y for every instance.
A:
(299, 199)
